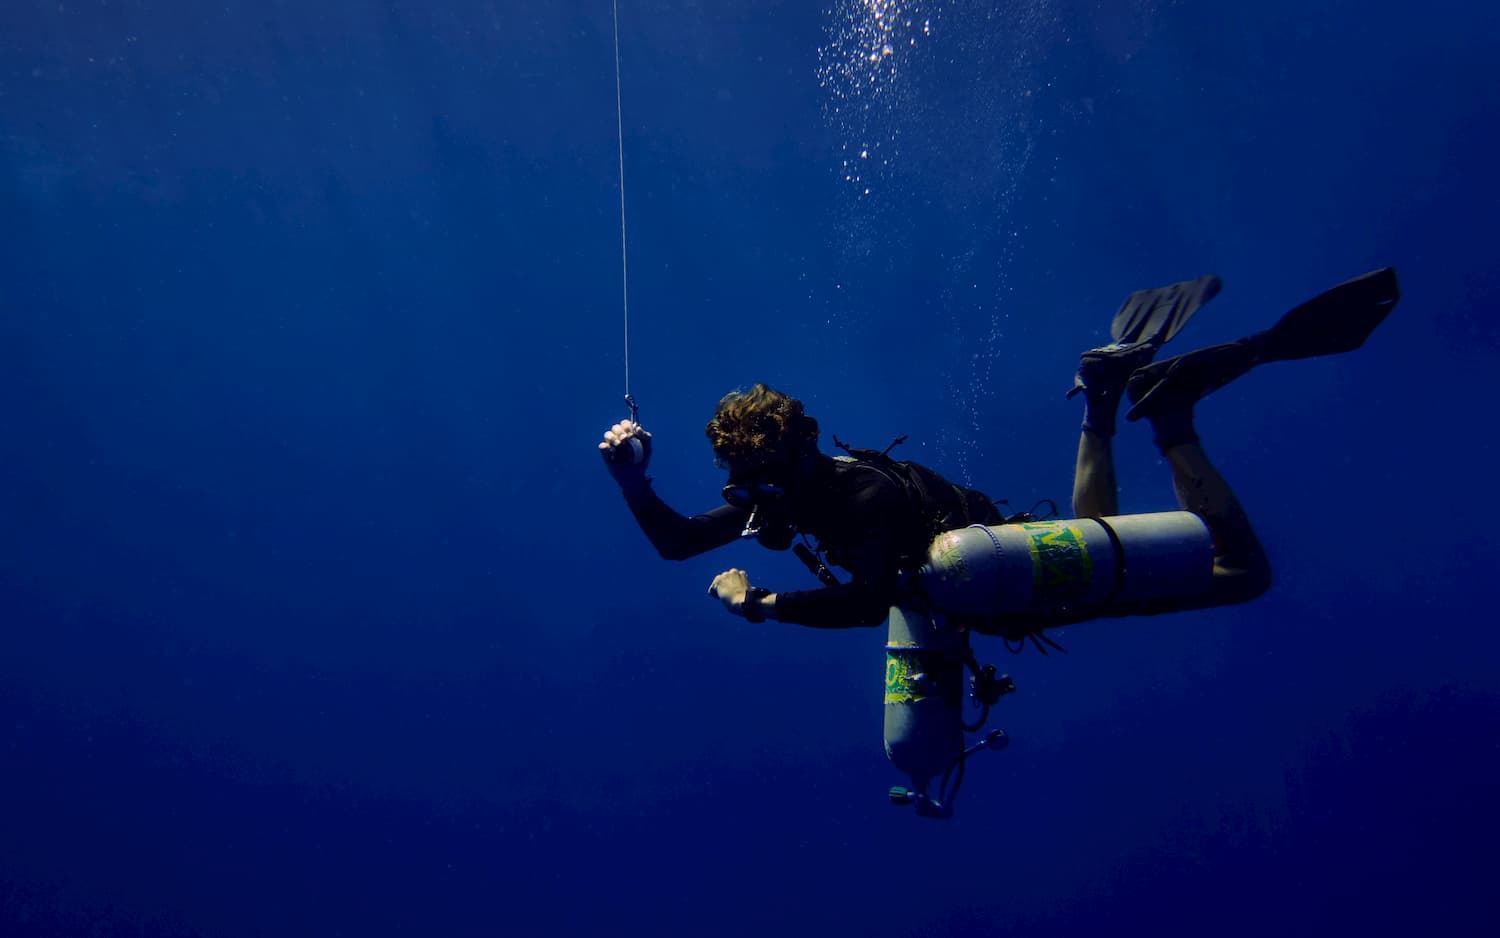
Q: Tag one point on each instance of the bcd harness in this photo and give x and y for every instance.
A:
(935, 505)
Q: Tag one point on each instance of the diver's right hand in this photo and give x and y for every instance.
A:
(627, 451)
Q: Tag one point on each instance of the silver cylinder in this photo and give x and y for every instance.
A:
(1069, 566)
(924, 694)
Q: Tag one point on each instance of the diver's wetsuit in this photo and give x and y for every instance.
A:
(864, 519)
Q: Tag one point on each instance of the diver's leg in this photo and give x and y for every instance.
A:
(1241, 569)
(1095, 491)
(1102, 376)
(1146, 320)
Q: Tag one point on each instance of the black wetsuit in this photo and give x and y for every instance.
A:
(873, 520)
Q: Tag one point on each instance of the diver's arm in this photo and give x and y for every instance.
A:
(626, 450)
(849, 605)
(677, 537)
(846, 606)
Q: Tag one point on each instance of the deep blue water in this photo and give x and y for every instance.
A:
(318, 615)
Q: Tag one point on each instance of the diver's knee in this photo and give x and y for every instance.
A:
(1235, 583)
(1258, 581)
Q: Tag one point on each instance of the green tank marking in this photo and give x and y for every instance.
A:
(1061, 565)
(899, 667)
(938, 674)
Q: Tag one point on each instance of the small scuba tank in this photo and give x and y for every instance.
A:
(1069, 566)
(924, 694)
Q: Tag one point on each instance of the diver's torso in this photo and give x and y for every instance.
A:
(863, 521)
(870, 522)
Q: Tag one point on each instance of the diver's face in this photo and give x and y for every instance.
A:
(754, 486)
(758, 484)
(753, 494)
(761, 489)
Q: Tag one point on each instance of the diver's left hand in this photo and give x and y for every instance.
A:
(729, 588)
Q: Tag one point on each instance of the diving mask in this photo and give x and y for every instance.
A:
(752, 495)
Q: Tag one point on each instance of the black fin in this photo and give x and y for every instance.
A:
(1335, 321)
(1156, 315)
(1146, 321)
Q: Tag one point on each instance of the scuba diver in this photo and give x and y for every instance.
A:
(876, 517)
(871, 516)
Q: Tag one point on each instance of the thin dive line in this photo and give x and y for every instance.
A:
(620, 132)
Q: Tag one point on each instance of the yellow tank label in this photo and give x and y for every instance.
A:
(1060, 562)
(950, 558)
(898, 689)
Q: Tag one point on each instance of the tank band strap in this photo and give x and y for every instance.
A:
(1114, 540)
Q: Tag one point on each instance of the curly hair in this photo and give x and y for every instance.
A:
(759, 426)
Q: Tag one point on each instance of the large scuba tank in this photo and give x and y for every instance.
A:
(1069, 567)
